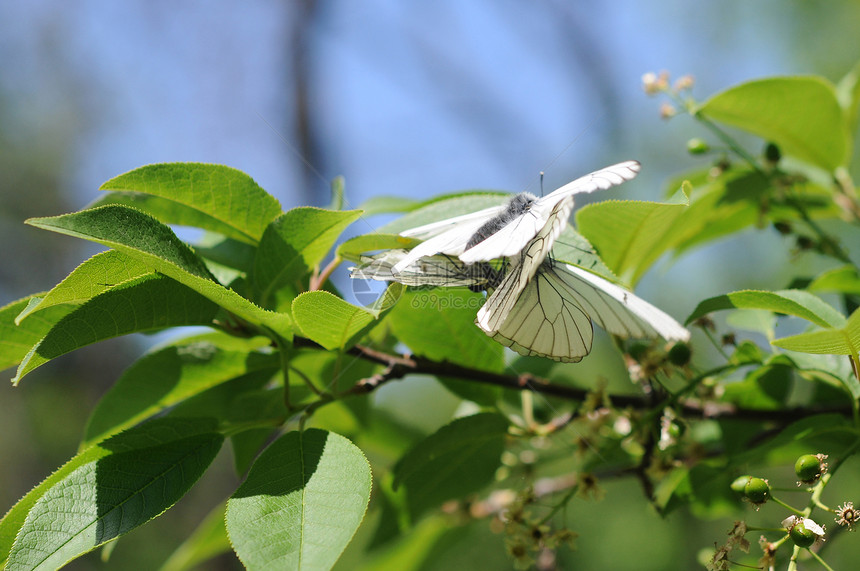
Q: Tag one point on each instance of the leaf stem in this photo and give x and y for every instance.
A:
(319, 278)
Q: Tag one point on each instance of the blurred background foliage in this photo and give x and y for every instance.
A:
(403, 99)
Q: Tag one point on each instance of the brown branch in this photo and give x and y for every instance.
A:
(399, 366)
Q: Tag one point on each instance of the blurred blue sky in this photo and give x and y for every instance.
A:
(409, 99)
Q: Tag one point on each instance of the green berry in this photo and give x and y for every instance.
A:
(801, 536)
(740, 484)
(757, 490)
(697, 147)
(680, 353)
(808, 468)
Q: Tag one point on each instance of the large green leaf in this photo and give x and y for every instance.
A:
(148, 303)
(457, 460)
(302, 502)
(93, 277)
(789, 302)
(144, 238)
(800, 114)
(172, 374)
(213, 197)
(293, 244)
(50, 532)
(335, 323)
(843, 340)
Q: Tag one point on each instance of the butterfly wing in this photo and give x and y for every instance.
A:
(551, 314)
(538, 318)
(446, 236)
(615, 309)
(443, 271)
(435, 228)
(547, 216)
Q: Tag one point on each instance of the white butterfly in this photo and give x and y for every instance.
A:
(549, 315)
(503, 231)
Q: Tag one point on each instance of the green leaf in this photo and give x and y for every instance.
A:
(92, 278)
(836, 341)
(353, 248)
(293, 244)
(443, 207)
(106, 491)
(844, 279)
(17, 340)
(212, 197)
(142, 237)
(756, 320)
(765, 388)
(338, 193)
(301, 503)
(205, 542)
(573, 248)
(387, 204)
(631, 235)
(800, 114)
(148, 303)
(226, 252)
(335, 323)
(240, 403)
(790, 302)
(738, 198)
(461, 458)
(167, 376)
(413, 551)
(247, 444)
(829, 426)
(439, 324)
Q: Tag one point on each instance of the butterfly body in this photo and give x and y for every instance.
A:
(516, 206)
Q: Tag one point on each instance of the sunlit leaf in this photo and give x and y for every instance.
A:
(335, 323)
(800, 114)
(789, 302)
(836, 341)
(106, 491)
(142, 237)
(301, 503)
(212, 197)
(148, 303)
(293, 244)
(93, 277)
